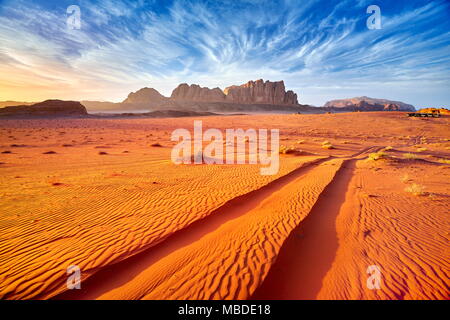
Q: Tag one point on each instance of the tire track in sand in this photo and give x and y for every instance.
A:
(117, 280)
(308, 253)
(115, 275)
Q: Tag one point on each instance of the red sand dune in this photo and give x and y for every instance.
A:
(141, 227)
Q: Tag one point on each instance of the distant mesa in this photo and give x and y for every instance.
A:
(48, 108)
(368, 104)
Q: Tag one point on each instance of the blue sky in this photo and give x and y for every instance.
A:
(322, 49)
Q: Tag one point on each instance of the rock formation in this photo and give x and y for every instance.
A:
(50, 108)
(368, 104)
(145, 95)
(185, 92)
(260, 92)
(253, 92)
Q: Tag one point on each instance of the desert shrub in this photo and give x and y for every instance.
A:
(286, 150)
(377, 156)
(415, 189)
(446, 161)
(410, 156)
(327, 145)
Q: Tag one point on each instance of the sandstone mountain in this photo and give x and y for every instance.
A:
(185, 92)
(254, 96)
(260, 92)
(145, 95)
(368, 104)
(48, 108)
(253, 92)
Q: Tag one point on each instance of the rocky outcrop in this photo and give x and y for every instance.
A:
(368, 104)
(253, 92)
(48, 108)
(145, 95)
(185, 92)
(260, 92)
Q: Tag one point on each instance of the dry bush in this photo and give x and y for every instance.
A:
(286, 150)
(415, 189)
(375, 156)
(327, 145)
(410, 156)
(446, 161)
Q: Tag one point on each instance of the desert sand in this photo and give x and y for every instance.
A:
(360, 189)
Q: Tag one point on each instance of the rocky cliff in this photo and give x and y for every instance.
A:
(260, 92)
(185, 92)
(253, 92)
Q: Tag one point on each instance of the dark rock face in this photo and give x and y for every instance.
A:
(185, 92)
(260, 92)
(52, 108)
(368, 104)
(145, 95)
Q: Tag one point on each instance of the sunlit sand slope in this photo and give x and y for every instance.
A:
(226, 256)
(369, 217)
(91, 210)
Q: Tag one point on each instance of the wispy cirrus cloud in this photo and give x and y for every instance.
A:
(322, 49)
